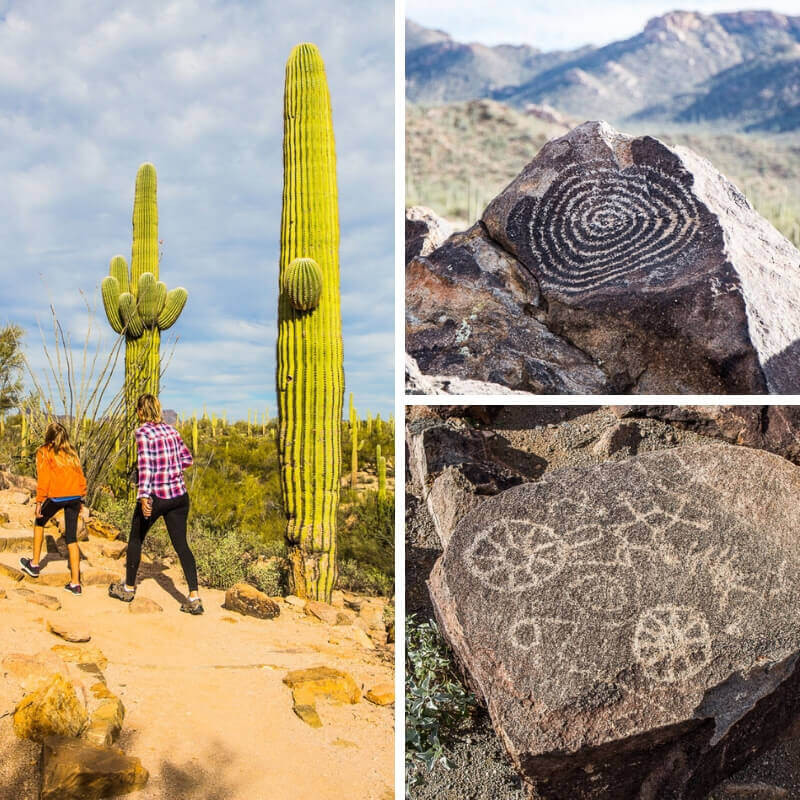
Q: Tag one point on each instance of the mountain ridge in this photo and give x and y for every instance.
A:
(684, 66)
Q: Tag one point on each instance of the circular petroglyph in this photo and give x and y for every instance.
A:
(672, 643)
(596, 224)
(515, 555)
(526, 634)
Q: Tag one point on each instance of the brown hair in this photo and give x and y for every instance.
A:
(56, 439)
(150, 409)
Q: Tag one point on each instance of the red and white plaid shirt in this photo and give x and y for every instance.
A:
(162, 457)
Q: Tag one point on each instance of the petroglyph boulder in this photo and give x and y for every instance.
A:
(620, 255)
(632, 627)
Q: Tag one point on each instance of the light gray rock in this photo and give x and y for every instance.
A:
(632, 627)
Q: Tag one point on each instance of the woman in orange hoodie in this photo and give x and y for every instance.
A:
(60, 484)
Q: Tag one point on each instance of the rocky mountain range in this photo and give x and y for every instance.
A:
(740, 69)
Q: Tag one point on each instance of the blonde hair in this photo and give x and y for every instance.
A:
(149, 408)
(56, 440)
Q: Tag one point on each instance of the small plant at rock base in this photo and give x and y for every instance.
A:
(437, 704)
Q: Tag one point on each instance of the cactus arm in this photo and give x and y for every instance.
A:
(302, 283)
(151, 296)
(134, 327)
(118, 268)
(144, 252)
(109, 290)
(173, 305)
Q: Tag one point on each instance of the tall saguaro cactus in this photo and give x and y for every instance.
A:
(138, 303)
(310, 379)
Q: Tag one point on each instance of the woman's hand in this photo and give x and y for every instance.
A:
(147, 506)
(38, 510)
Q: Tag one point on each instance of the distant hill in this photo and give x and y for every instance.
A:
(439, 69)
(460, 155)
(740, 68)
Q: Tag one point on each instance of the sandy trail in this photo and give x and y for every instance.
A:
(207, 712)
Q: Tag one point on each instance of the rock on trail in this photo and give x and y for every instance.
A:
(611, 264)
(631, 627)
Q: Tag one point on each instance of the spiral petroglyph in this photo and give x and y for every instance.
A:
(597, 224)
(672, 643)
(514, 555)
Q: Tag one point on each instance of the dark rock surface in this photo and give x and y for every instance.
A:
(631, 626)
(612, 264)
(772, 428)
(471, 312)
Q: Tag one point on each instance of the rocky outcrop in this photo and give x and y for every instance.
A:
(612, 264)
(471, 313)
(631, 626)
(772, 428)
(455, 467)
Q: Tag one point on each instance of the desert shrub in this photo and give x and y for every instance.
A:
(437, 704)
(364, 579)
(221, 554)
(269, 576)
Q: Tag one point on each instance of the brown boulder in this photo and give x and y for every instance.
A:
(654, 265)
(73, 769)
(248, 600)
(11, 572)
(80, 654)
(53, 709)
(631, 626)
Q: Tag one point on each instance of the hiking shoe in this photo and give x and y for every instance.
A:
(76, 589)
(193, 606)
(28, 568)
(119, 591)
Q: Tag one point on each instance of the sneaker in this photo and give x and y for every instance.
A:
(28, 568)
(76, 589)
(119, 592)
(193, 606)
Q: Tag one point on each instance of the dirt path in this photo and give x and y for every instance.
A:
(207, 712)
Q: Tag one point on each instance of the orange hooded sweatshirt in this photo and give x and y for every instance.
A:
(58, 476)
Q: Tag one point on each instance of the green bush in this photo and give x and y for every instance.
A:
(270, 576)
(437, 704)
(222, 555)
(364, 579)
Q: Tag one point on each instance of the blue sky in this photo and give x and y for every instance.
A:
(559, 25)
(89, 90)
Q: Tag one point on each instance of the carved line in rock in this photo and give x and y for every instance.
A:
(596, 224)
(671, 643)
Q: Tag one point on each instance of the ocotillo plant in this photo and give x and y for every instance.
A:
(353, 445)
(138, 304)
(310, 373)
(381, 462)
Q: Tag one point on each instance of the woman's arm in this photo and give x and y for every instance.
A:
(145, 464)
(42, 476)
(184, 454)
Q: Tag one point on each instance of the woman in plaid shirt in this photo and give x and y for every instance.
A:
(162, 457)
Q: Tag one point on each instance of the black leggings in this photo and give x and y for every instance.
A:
(71, 508)
(175, 512)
